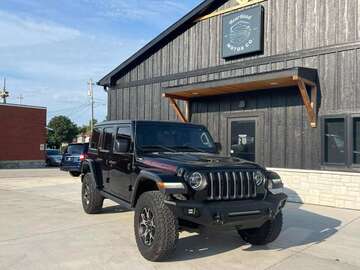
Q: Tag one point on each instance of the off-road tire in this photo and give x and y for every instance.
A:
(91, 198)
(75, 174)
(267, 233)
(166, 227)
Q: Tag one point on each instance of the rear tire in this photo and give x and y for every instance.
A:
(155, 226)
(92, 200)
(75, 174)
(267, 233)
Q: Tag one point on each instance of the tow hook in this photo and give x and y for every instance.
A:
(218, 219)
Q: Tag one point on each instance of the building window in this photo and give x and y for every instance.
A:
(335, 151)
(356, 141)
(341, 141)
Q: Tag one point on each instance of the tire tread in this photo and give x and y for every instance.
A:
(96, 200)
(168, 232)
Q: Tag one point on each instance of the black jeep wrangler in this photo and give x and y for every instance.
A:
(172, 175)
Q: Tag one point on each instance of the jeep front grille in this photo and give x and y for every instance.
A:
(231, 185)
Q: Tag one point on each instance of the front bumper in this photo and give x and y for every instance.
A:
(240, 214)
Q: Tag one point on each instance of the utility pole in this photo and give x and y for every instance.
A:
(91, 95)
(21, 97)
(3, 93)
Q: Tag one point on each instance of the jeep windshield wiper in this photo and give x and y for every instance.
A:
(189, 147)
(148, 147)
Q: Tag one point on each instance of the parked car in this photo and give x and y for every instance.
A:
(174, 178)
(72, 158)
(53, 157)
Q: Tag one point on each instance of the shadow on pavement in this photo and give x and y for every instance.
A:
(301, 227)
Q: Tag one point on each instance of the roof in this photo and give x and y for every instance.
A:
(23, 106)
(165, 36)
(245, 83)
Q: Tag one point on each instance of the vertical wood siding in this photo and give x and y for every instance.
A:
(290, 25)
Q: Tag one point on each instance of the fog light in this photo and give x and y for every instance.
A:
(193, 212)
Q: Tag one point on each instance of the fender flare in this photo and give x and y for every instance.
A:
(159, 180)
(94, 169)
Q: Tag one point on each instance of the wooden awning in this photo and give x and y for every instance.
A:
(300, 77)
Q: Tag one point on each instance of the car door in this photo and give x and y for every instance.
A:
(105, 155)
(122, 163)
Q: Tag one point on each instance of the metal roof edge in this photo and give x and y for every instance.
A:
(23, 106)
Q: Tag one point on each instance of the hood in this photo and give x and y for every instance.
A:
(172, 161)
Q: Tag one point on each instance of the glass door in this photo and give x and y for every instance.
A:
(243, 139)
(245, 136)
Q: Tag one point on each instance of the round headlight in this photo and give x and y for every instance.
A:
(259, 178)
(197, 181)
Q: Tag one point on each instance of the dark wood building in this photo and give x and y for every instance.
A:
(291, 101)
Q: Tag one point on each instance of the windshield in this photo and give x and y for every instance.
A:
(52, 152)
(170, 137)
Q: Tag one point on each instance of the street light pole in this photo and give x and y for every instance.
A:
(91, 94)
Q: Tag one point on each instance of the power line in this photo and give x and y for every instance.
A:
(79, 112)
(68, 108)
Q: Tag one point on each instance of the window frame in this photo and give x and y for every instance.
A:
(346, 144)
(351, 120)
(99, 140)
(349, 164)
(102, 144)
(127, 126)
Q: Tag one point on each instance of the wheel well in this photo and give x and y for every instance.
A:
(144, 186)
(85, 167)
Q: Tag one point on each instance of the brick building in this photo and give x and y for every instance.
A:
(22, 136)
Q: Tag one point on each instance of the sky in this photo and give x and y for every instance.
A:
(49, 49)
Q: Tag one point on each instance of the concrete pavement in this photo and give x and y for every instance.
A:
(43, 226)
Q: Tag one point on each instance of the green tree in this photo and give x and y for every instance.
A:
(87, 128)
(62, 129)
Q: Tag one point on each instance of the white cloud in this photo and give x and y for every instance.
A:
(16, 31)
(50, 64)
(138, 9)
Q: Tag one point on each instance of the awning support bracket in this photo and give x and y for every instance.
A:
(184, 117)
(310, 103)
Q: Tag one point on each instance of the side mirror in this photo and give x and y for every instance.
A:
(122, 144)
(218, 146)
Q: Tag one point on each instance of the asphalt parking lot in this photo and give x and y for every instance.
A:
(43, 226)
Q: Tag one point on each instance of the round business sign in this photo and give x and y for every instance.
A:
(242, 32)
